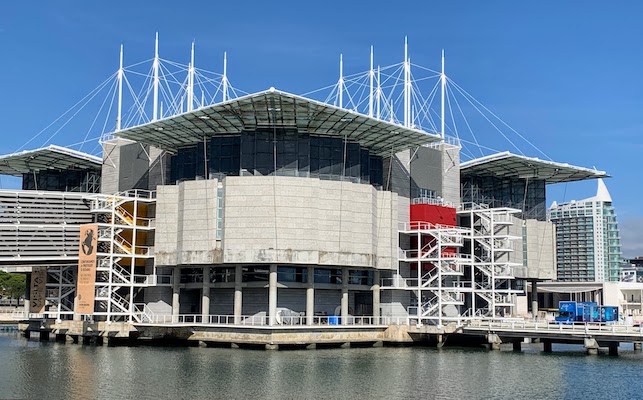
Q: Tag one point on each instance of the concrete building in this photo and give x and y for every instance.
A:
(587, 239)
(273, 209)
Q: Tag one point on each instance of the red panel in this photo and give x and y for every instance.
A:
(433, 214)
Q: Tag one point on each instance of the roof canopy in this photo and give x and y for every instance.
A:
(508, 165)
(275, 108)
(47, 158)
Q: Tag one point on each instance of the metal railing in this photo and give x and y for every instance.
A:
(516, 324)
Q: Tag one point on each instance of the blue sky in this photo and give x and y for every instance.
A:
(564, 74)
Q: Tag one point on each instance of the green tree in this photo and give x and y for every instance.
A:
(12, 285)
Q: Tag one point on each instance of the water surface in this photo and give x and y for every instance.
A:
(35, 370)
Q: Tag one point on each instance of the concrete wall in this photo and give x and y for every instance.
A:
(309, 221)
(186, 224)
(159, 168)
(437, 168)
(396, 173)
(255, 300)
(541, 251)
(125, 166)
(159, 299)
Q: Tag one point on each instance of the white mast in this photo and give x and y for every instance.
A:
(443, 84)
(407, 93)
(378, 94)
(225, 76)
(371, 74)
(120, 92)
(191, 80)
(155, 67)
(341, 81)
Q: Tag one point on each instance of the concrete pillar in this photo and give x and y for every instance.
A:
(272, 296)
(517, 346)
(205, 296)
(27, 304)
(591, 345)
(494, 341)
(76, 316)
(310, 296)
(376, 295)
(547, 347)
(238, 294)
(613, 348)
(176, 304)
(534, 298)
(344, 296)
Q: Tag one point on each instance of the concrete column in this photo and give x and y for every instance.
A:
(591, 345)
(534, 298)
(310, 296)
(344, 296)
(494, 341)
(376, 295)
(516, 346)
(272, 294)
(176, 305)
(27, 304)
(547, 347)
(205, 295)
(613, 348)
(76, 316)
(238, 294)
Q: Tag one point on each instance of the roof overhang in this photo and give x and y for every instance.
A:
(508, 165)
(51, 157)
(272, 108)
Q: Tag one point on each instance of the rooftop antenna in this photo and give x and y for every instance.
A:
(341, 81)
(443, 83)
(225, 76)
(120, 92)
(155, 67)
(190, 98)
(371, 75)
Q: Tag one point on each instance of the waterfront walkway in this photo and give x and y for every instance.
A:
(591, 335)
(296, 330)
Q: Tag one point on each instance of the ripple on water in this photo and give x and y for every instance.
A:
(31, 369)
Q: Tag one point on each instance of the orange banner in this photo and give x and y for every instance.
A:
(38, 289)
(86, 285)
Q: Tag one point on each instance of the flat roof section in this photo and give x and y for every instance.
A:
(276, 108)
(508, 165)
(51, 157)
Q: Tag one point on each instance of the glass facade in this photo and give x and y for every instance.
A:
(523, 194)
(279, 151)
(63, 181)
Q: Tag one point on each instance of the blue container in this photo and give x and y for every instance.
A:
(333, 320)
(609, 314)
